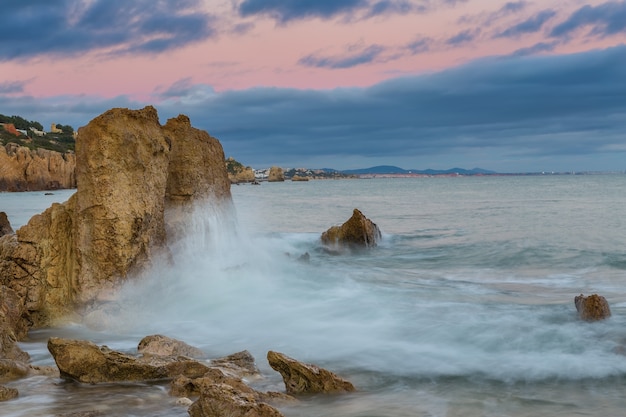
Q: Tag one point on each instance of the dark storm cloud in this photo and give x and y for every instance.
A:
(284, 11)
(531, 25)
(352, 58)
(70, 27)
(602, 20)
(527, 105)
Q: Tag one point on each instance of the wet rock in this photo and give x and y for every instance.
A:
(592, 308)
(11, 369)
(183, 386)
(7, 393)
(84, 361)
(240, 364)
(5, 225)
(166, 346)
(301, 378)
(358, 231)
(224, 400)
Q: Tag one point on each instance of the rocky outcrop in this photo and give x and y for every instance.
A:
(130, 172)
(5, 225)
(358, 231)
(237, 173)
(592, 308)
(86, 362)
(276, 174)
(299, 178)
(301, 378)
(166, 346)
(23, 169)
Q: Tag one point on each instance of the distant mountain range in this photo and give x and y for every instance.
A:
(390, 169)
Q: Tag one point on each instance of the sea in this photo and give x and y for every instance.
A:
(464, 308)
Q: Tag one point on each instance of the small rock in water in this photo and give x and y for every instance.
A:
(302, 378)
(357, 231)
(592, 308)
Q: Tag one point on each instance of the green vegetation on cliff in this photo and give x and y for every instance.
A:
(31, 135)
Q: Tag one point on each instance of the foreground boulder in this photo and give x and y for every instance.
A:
(357, 231)
(592, 308)
(130, 172)
(301, 378)
(86, 362)
(224, 400)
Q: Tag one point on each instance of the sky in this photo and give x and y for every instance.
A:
(517, 86)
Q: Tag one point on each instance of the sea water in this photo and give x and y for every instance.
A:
(465, 308)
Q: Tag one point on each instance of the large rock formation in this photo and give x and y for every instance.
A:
(276, 174)
(357, 231)
(23, 169)
(302, 378)
(128, 169)
(592, 308)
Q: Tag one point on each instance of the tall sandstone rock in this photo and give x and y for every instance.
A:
(276, 174)
(129, 168)
(22, 169)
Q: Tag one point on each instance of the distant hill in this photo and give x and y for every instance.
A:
(390, 169)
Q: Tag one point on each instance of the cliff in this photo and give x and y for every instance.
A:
(23, 169)
(131, 172)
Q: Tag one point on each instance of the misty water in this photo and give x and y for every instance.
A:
(465, 308)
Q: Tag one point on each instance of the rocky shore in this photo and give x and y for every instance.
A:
(23, 169)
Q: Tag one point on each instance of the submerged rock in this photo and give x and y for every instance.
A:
(86, 362)
(592, 308)
(358, 231)
(301, 378)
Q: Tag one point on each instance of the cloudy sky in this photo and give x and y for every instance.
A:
(508, 86)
